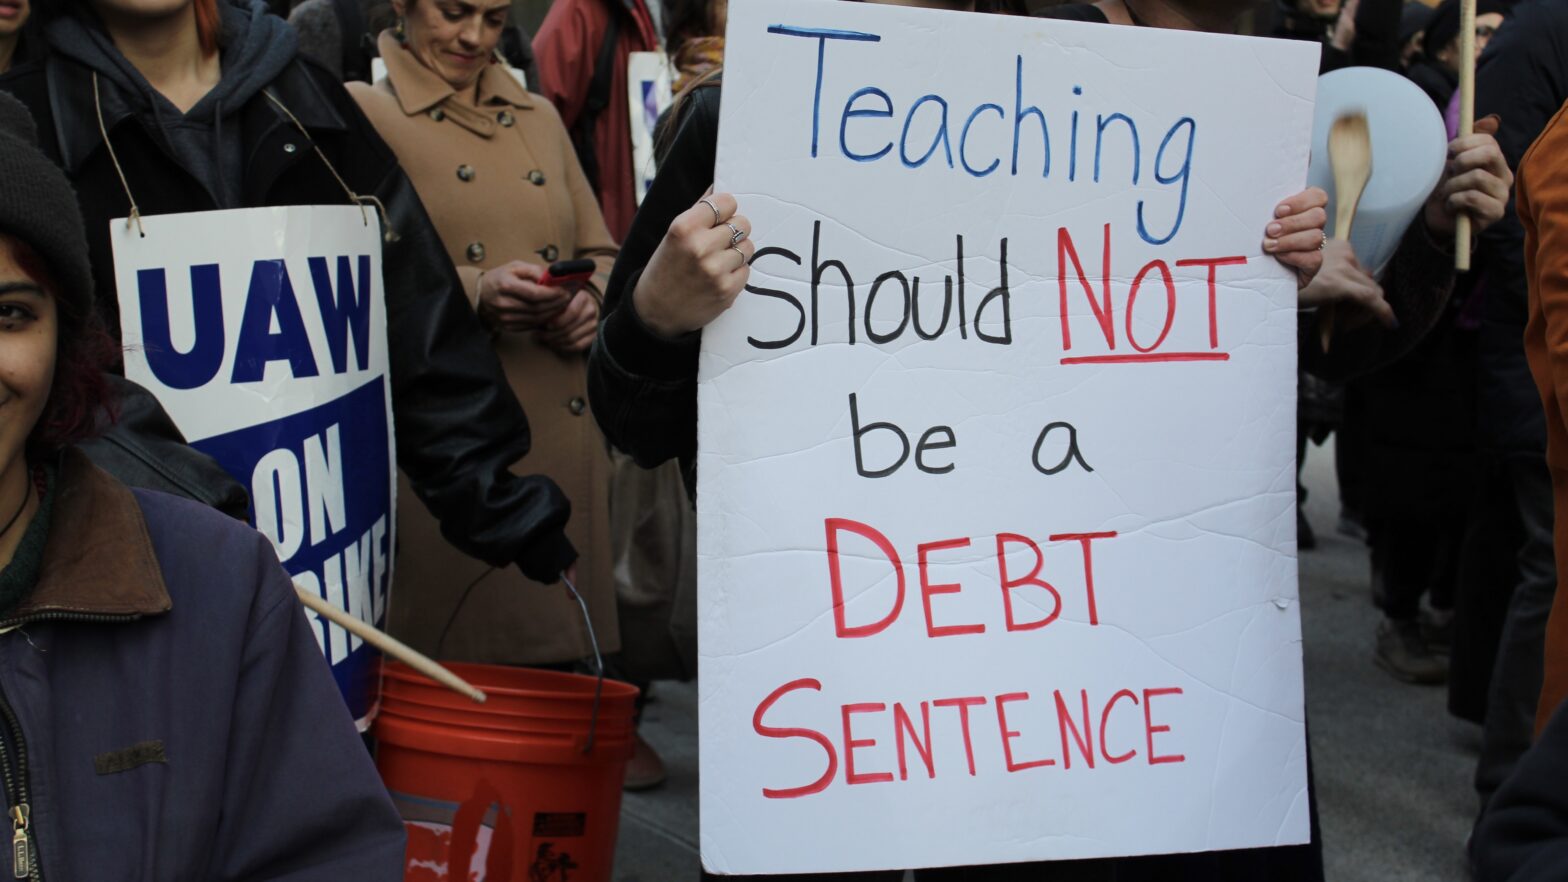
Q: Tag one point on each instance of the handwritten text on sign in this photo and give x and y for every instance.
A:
(997, 451)
(263, 334)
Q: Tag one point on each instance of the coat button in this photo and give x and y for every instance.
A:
(476, 252)
(550, 253)
(289, 148)
(577, 406)
(536, 177)
(505, 118)
(437, 114)
(465, 173)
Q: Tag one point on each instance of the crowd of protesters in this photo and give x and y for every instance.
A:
(493, 155)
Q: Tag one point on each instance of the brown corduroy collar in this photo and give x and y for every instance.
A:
(98, 559)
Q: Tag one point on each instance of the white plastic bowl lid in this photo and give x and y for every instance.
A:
(1409, 147)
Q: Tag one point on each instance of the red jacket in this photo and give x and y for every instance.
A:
(567, 47)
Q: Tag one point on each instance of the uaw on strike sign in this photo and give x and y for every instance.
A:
(263, 333)
(996, 451)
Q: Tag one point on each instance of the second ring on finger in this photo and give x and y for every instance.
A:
(737, 235)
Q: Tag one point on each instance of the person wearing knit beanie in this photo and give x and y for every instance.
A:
(38, 205)
(41, 226)
(146, 615)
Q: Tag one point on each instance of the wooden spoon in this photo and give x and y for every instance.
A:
(1350, 157)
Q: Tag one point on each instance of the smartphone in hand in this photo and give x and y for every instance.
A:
(567, 272)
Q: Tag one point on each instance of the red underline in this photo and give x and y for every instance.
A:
(1143, 357)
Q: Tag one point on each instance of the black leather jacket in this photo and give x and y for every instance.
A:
(643, 386)
(458, 425)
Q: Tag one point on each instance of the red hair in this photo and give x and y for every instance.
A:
(207, 23)
(83, 352)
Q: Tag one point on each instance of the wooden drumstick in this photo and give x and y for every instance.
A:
(390, 645)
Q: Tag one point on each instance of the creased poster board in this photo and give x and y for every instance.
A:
(263, 333)
(996, 452)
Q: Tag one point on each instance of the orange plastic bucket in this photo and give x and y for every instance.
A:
(509, 790)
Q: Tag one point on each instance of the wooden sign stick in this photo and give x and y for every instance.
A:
(391, 646)
(1466, 118)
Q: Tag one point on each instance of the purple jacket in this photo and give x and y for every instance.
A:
(179, 722)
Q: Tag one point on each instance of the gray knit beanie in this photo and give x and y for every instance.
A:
(38, 205)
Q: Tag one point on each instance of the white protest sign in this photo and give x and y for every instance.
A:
(263, 333)
(996, 512)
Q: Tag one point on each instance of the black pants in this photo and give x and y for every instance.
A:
(1516, 678)
(1411, 556)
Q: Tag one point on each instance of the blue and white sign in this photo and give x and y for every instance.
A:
(263, 333)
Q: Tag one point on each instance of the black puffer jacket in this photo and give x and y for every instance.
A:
(458, 425)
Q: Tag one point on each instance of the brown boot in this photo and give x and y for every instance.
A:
(644, 771)
(1402, 652)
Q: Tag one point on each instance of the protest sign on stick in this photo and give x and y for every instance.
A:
(263, 334)
(996, 451)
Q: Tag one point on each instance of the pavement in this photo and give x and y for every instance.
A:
(1392, 768)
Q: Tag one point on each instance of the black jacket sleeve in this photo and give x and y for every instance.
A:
(1523, 837)
(139, 444)
(458, 426)
(644, 386)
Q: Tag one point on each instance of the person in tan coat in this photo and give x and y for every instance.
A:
(495, 169)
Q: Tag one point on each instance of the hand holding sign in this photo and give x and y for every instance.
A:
(698, 269)
(1295, 238)
(511, 298)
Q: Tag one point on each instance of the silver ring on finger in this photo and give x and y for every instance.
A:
(717, 218)
(736, 234)
(736, 249)
(1323, 244)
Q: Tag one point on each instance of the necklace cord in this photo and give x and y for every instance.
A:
(136, 214)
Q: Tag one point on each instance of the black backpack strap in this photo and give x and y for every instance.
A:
(352, 31)
(597, 100)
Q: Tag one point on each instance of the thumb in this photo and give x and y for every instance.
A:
(1489, 124)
